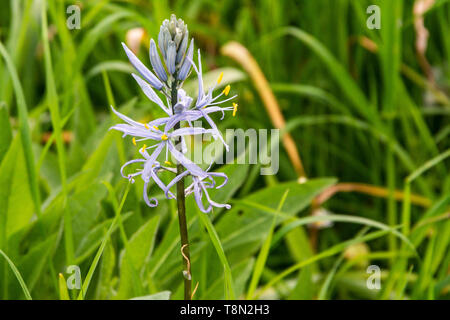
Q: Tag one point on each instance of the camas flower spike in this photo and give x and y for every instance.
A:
(167, 133)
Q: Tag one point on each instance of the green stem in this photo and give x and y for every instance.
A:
(182, 210)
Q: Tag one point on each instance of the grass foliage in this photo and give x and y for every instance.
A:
(359, 104)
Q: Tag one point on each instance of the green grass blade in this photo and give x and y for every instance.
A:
(24, 130)
(327, 283)
(52, 99)
(332, 217)
(99, 253)
(324, 254)
(214, 237)
(18, 276)
(63, 292)
(341, 75)
(264, 253)
(428, 165)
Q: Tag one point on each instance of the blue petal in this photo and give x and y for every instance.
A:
(142, 69)
(155, 60)
(188, 164)
(148, 91)
(171, 55)
(187, 63)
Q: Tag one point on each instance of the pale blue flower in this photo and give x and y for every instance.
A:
(206, 101)
(147, 176)
(164, 139)
(186, 66)
(171, 57)
(151, 94)
(155, 60)
(199, 188)
(173, 40)
(142, 69)
(182, 48)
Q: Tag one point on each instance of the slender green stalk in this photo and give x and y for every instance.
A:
(53, 104)
(112, 102)
(264, 252)
(182, 212)
(392, 205)
(24, 129)
(18, 276)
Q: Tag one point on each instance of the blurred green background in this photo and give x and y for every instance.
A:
(368, 111)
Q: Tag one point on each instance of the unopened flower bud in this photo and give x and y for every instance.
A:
(173, 35)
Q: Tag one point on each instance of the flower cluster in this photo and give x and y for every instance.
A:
(168, 133)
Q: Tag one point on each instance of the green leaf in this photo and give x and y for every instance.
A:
(93, 166)
(163, 295)
(348, 85)
(33, 263)
(113, 65)
(63, 292)
(236, 176)
(15, 197)
(263, 254)
(5, 132)
(94, 34)
(138, 251)
(93, 238)
(85, 209)
(326, 253)
(229, 294)
(105, 283)
(24, 130)
(240, 273)
(255, 225)
(18, 276)
(101, 248)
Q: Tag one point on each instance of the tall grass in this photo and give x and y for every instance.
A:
(369, 124)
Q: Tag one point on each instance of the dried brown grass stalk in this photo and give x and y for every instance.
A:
(369, 190)
(241, 55)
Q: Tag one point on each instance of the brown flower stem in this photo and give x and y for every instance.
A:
(182, 211)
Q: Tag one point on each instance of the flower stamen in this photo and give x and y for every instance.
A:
(226, 91)
(164, 137)
(235, 106)
(219, 80)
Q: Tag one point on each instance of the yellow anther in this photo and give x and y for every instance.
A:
(143, 148)
(155, 127)
(168, 163)
(146, 126)
(164, 137)
(235, 106)
(226, 91)
(134, 140)
(219, 80)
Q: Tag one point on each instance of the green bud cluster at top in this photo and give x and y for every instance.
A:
(173, 41)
